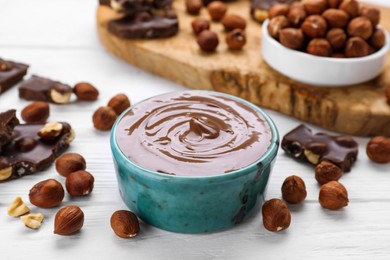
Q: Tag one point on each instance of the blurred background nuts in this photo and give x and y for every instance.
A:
(207, 41)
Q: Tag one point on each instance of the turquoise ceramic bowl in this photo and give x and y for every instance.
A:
(200, 204)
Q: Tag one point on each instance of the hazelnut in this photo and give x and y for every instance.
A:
(337, 38)
(68, 220)
(260, 15)
(50, 130)
(119, 102)
(47, 194)
(292, 38)
(207, 40)
(338, 55)
(199, 24)
(193, 6)
(5, 173)
(378, 149)
(333, 195)
(296, 15)
(356, 47)
(85, 91)
(70, 162)
(314, 26)
(79, 183)
(233, 21)
(336, 18)
(33, 221)
(276, 24)
(351, 7)
(104, 118)
(5, 66)
(25, 144)
(278, 9)
(388, 93)
(377, 39)
(217, 10)
(326, 171)
(236, 39)
(276, 215)
(36, 112)
(360, 27)
(124, 223)
(334, 3)
(373, 14)
(17, 208)
(319, 47)
(60, 94)
(294, 189)
(314, 6)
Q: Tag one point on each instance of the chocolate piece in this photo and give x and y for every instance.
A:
(131, 7)
(27, 153)
(10, 74)
(259, 8)
(302, 144)
(42, 89)
(8, 121)
(145, 25)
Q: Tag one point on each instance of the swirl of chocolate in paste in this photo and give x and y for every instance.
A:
(193, 133)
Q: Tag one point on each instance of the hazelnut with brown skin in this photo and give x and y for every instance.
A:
(278, 9)
(47, 194)
(326, 171)
(124, 223)
(85, 91)
(336, 18)
(68, 220)
(294, 189)
(235, 39)
(319, 47)
(377, 39)
(297, 14)
(356, 47)
(292, 38)
(207, 40)
(70, 162)
(276, 24)
(373, 14)
(104, 118)
(314, 26)
(36, 112)
(276, 215)
(79, 183)
(200, 24)
(314, 6)
(378, 149)
(233, 21)
(119, 103)
(217, 10)
(193, 7)
(337, 38)
(334, 3)
(360, 27)
(351, 7)
(333, 195)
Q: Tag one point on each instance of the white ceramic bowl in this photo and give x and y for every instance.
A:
(321, 71)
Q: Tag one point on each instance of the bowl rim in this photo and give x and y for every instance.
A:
(265, 159)
(382, 51)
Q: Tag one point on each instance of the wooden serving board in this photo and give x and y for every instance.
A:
(357, 110)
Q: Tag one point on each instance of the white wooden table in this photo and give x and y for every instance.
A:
(58, 39)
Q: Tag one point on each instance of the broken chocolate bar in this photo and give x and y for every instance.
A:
(259, 8)
(131, 7)
(302, 144)
(27, 153)
(42, 89)
(8, 121)
(10, 74)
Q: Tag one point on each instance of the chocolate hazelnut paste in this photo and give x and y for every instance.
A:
(193, 133)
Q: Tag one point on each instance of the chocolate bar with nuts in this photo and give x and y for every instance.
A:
(131, 7)
(42, 89)
(11, 73)
(302, 144)
(29, 152)
(259, 8)
(8, 121)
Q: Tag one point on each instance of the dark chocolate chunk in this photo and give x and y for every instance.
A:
(259, 8)
(8, 121)
(302, 144)
(145, 25)
(27, 153)
(42, 89)
(131, 7)
(10, 74)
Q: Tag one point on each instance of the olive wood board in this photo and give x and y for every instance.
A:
(357, 110)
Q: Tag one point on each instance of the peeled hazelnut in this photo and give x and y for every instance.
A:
(314, 26)
(333, 196)
(278, 9)
(276, 24)
(378, 149)
(193, 6)
(85, 91)
(5, 173)
(68, 220)
(36, 112)
(235, 39)
(207, 40)
(70, 162)
(336, 18)
(292, 38)
(351, 7)
(377, 39)
(33, 221)
(373, 14)
(296, 15)
(17, 208)
(199, 24)
(360, 27)
(337, 38)
(314, 6)
(217, 10)
(50, 130)
(47, 194)
(356, 47)
(293, 189)
(104, 118)
(334, 3)
(233, 21)
(119, 102)
(79, 183)
(276, 215)
(319, 47)
(60, 94)
(124, 223)
(326, 171)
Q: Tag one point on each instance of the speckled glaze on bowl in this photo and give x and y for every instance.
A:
(194, 204)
